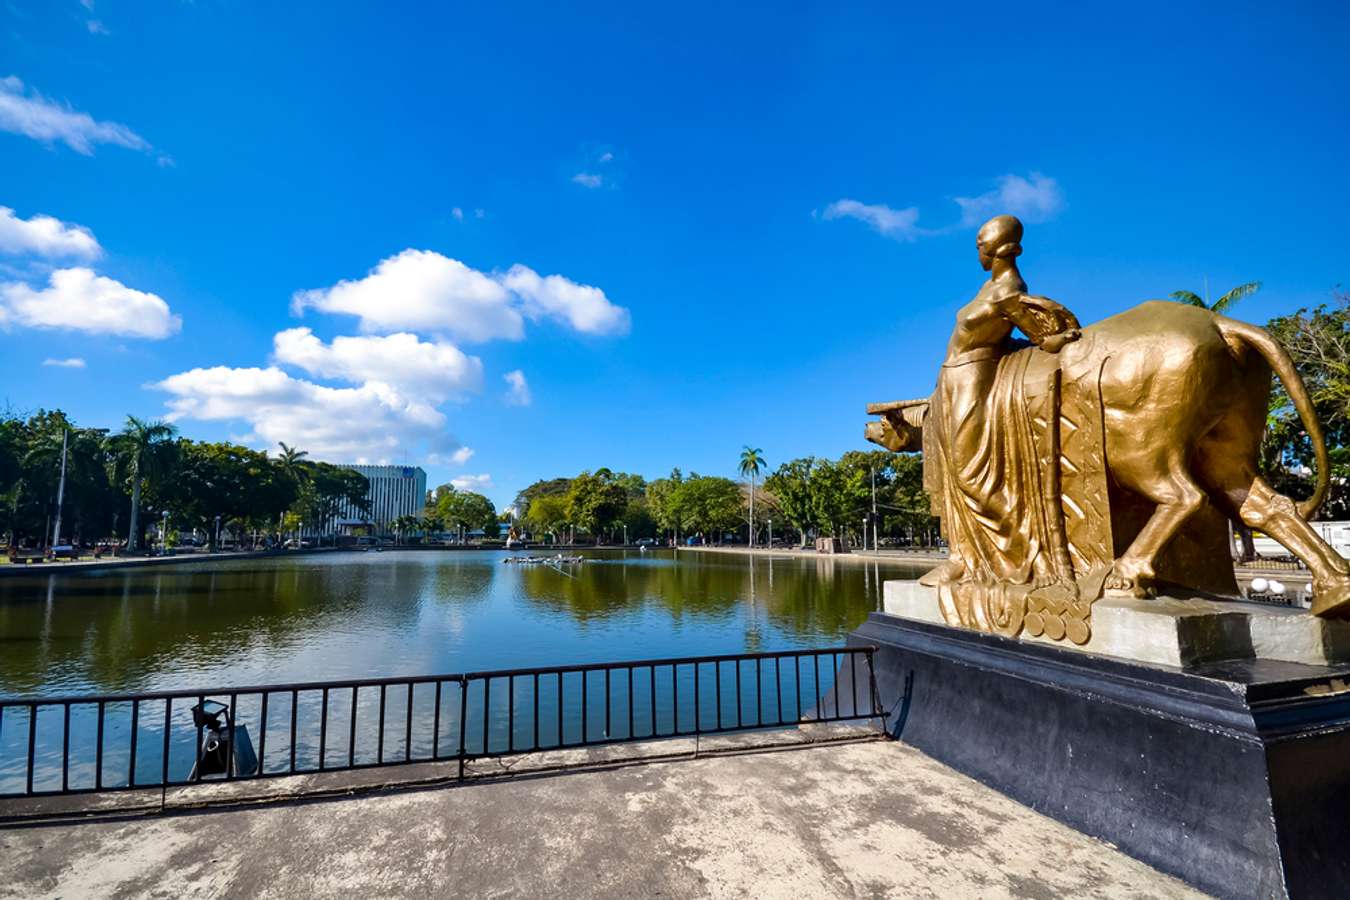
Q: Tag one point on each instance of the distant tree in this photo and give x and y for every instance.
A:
(1224, 303)
(325, 489)
(146, 452)
(1318, 340)
(466, 510)
(752, 462)
(709, 504)
(223, 480)
(291, 461)
(547, 514)
(791, 483)
(595, 501)
(552, 487)
(663, 502)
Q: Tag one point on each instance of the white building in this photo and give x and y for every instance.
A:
(394, 491)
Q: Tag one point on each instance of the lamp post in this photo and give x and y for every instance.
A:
(771, 534)
(217, 541)
(625, 534)
(164, 534)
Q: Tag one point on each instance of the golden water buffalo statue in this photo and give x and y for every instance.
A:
(1106, 458)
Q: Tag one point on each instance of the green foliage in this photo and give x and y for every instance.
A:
(465, 510)
(662, 501)
(596, 500)
(1224, 303)
(791, 484)
(751, 463)
(323, 491)
(708, 504)
(1318, 340)
(547, 514)
(239, 485)
(553, 487)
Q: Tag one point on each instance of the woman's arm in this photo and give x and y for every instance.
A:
(1048, 324)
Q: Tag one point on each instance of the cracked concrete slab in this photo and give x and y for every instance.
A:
(871, 819)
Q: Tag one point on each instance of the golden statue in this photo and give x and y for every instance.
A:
(1105, 459)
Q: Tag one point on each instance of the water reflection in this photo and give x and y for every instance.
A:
(405, 613)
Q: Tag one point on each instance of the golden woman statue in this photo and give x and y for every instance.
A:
(1106, 458)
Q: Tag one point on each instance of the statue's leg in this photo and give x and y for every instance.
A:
(1247, 496)
(1158, 474)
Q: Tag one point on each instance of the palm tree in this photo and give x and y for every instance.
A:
(143, 447)
(752, 463)
(291, 461)
(1224, 303)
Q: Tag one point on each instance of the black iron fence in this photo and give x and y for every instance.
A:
(119, 742)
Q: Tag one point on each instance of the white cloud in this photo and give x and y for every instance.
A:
(1033, 199)
(588, 180)
(458, 214)
(434, 370)
(479, 213)
(45, 236)
(900, 224)
(371, 423)
(584, 307)
(73, 362)
(606, 156)
(458, 458)
(517, 388)
(77, 299)
(472, 482)
(421, 290)
(33, 115)
(97, 27)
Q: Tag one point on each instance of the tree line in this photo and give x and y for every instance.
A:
(800, 499)
(118, 483)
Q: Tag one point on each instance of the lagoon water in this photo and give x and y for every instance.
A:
(358, 615)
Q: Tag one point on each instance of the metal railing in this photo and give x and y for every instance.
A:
(119, 742)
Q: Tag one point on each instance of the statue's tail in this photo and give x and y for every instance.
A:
(1283, 366)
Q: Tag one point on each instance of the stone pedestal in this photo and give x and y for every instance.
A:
(1231, 773)
(1175, 631)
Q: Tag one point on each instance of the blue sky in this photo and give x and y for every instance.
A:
(759, 218)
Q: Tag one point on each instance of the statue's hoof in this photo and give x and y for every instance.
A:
(1124, 583)
(1331, 600)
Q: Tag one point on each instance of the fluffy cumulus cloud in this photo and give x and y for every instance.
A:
(25, 111)
(435, 370)
(45, 236)
(421, 290)
(900, 224)
(77, 299)
(1035, 198)
(1032, 199)
(472, 482)
(582, 306)
(370, 423)
(517, 388)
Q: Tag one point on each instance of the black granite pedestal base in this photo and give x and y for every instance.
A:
(1234, 776)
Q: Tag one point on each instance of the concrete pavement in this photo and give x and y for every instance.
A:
(868, 819)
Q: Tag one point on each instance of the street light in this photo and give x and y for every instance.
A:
(217, 542)
(771, 534)
(164, 535)
(625, 534)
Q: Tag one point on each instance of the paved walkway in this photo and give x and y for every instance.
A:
(872, 819)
